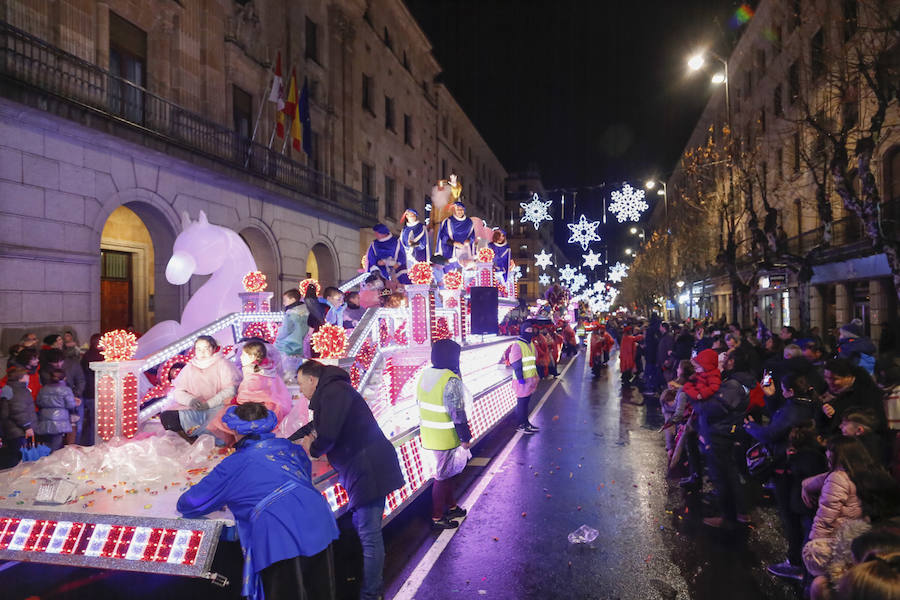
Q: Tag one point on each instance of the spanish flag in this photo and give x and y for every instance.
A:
(290, 105)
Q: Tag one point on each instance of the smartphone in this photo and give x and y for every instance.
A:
(767, 379)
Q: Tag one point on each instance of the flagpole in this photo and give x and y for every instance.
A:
(262, 104)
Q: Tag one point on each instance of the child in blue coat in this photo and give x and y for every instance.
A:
(285, 525)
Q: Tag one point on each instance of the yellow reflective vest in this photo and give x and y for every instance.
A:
(529, 364)
(436, 429)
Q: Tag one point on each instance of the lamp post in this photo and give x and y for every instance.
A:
(664, 192)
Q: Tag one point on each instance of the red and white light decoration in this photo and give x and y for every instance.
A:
(130, 405)
(255, 281)
(485, 255)
(106, 407)
(118, 345)
(441, 330)
(421, 273)
(330, 341)
(308, 282)
(453, 280)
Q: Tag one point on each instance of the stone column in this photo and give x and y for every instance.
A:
(879, 307)
(843, 303)
(816, 309)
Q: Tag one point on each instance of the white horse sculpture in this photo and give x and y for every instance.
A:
(202, 249)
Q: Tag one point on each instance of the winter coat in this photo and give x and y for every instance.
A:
(215, 382)
(16, 410)
(795, 412)
(853, 348)
(54, 402)
(705, 383)
(681, 349)
(365, 460)
(838, 503)
(86, 359)
(627, 353)
(75, 376)
(862, 394)
(600, 342)
(293, 330)
(722, 414)
(666, 345)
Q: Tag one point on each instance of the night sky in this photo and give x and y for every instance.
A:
(589, 91)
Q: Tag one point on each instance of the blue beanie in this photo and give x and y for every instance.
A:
(242, 427)
(381, 229)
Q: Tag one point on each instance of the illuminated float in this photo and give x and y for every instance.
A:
(112, 506)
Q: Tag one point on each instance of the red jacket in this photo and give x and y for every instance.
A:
(703, 384)
(601, 342)
(627, 352)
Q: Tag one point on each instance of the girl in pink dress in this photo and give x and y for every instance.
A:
(261, 384)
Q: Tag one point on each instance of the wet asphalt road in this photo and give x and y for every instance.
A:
(598, 460)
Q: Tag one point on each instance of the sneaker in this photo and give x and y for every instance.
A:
(532, 427)
(524, 428)
(787, 570)
(444, 523)
(457, 512)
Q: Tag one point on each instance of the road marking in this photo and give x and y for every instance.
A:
(417, 577)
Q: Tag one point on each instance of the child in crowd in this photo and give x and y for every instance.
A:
(261, 383)
(601, 344)
(707, 379)
(17, 416)
(674, 404)
(56, 410)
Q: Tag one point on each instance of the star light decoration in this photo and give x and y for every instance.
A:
(567, 273)
(628, 204)
(543, 260)
(536, 211)
(544, 279)
(618, 272)
(591, 260)
(516, 273)
(583, 232)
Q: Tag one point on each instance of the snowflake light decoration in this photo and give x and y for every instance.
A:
(536, 211)
(516, 273)
(591, 260)
(543, 260)
(578, 282)
(618, 272)
(583, 232)
(628, 204)
(544, 279)
(567, 273)
(598, 286)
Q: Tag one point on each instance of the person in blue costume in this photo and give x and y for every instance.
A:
(414, 237)
(456, 238)
(386, 256)
(501, 254)
(285, 525)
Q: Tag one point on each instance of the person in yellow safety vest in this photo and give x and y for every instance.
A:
(521, 356)
(443, 428)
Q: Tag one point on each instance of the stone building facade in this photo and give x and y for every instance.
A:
(115, 117)
(782, 67)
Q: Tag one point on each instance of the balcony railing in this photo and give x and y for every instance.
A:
(25, 59)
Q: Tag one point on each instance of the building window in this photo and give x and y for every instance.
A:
(128, 60)
(241, 111)
(387, 39)
(779, 163)
(389, 122)
(314, 142)
(795, 165)
(443, 168)
(368, 180)
(368, 90)
(407, 130)
(407, 199)
(445, 126)
(312, 40)
(762, 120)
(797, 10)
(390, 197)
(817, 54)
(793, 82)
(851, 18)
(777, 106)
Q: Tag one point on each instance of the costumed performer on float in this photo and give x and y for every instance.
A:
(414, 237)
(456, 238)
(386, 256)
(208, 381)
(501, 254)
(284, 524)
(262, 383)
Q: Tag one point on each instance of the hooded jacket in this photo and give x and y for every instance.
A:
(54, 402)
(365, 460)
(293, 329)
(705, 383)
(722, 414)
(16, 410)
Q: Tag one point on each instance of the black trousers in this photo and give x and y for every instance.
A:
(724, 473)
(301, 577)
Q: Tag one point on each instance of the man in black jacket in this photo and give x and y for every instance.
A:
(365, 460)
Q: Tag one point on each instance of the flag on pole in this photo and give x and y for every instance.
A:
(290, 104)
(301, 127)
(276, 95)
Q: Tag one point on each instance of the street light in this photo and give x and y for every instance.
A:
(664, 192)
(628, 251)
(697, 61)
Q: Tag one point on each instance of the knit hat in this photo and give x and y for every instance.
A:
(708, 360)
(445, 355)
(850, 330)
(381, 229)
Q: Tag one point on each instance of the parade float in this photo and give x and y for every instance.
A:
(112, 505)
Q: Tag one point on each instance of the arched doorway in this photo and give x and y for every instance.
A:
(135, 245)
(320, 265)
(265, 257)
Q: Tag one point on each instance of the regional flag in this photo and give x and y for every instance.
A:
(276, 95)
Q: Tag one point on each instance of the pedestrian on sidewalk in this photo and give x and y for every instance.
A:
(521, 356)
(444, 428)
(365, 460)
(627, 354)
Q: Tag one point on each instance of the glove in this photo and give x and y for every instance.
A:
(199, 404)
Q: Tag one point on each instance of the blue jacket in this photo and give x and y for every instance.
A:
(795, 412)
(54, 402)
(296, 523)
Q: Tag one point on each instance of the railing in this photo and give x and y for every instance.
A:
(31, 61)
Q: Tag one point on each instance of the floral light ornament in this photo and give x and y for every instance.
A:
(304, 285)
(118, 345)
(421, 273)
(618, 272)
(330, 341)
(485, 255)
(255, 281)
(453, 280)
(628, 204)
